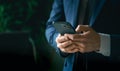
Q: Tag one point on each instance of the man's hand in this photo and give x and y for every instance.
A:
(65, 44)
(85, 40)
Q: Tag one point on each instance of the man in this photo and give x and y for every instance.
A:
(98, 46)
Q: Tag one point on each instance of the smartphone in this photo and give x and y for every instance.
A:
(64, 27)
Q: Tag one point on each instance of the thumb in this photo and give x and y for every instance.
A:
(82, 28)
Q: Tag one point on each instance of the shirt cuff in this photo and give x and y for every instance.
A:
(104, 44)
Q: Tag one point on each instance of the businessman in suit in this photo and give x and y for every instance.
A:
(98, 46)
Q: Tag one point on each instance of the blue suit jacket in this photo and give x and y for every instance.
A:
(105, 19)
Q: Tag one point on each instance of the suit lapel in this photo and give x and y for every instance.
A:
(75, 12)
(71, 10)
(97, 9)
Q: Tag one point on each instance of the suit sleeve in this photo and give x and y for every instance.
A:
(57, 14)
(115, 46)
(115, 37)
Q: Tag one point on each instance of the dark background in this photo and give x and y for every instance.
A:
(22, 27)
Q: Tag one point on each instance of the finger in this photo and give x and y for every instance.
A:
(81, 50)
(64, 44)
(82, 28)
(73, 36)
(80, 40)
(77, 37)
(70, 49)
(81, 46)
(61, 39)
